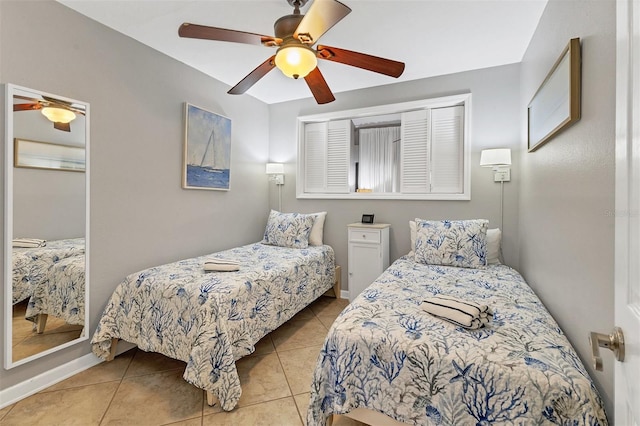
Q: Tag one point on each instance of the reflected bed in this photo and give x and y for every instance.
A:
(31, 266)
(62, 294)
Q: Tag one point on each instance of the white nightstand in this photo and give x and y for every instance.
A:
(368, 254)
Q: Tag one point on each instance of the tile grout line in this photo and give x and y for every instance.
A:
(302, 418)
(287, 379)
(124, 373)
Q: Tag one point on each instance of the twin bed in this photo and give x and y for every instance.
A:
(384, 359)
(211, 319)
(385, 356)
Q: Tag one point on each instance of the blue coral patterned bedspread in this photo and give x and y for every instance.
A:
(30, 266)
(385, 354)
(62, 294)
(211, 319)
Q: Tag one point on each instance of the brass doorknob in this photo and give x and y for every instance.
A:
(613, 342)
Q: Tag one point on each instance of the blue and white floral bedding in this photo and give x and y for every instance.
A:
(31, 265)
(385, 354)
(211, 319)
(62, 294)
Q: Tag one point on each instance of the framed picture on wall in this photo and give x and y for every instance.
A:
(46, 155)
(556, 104)
(207, 150)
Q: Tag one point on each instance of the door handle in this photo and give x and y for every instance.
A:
(614, 342)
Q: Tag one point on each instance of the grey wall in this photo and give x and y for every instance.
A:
(140, 215)
(557, 228)
(567, 186)
(495, 124)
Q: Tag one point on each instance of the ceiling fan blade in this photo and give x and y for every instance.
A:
(253, 77)
(27, 107)
(319, 87)
(65, 127)
(321, 16)
(361, 60)
(212, 33)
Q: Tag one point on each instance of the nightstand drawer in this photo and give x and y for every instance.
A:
(364, 235)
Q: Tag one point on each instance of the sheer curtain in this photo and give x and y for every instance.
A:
(379, 154)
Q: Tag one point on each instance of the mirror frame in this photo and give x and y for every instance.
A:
(10, 91)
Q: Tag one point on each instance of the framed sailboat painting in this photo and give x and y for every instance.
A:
(207, 150)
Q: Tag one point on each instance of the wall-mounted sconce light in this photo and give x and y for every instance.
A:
(276, 174)
(499, 160)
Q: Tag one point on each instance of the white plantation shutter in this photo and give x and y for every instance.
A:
(315, 157)
(431, 161)
(414, 152)
(326, 157)
(447, 144)
(338, 150)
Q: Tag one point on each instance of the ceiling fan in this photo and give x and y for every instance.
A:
(295, 36)
(60, 112)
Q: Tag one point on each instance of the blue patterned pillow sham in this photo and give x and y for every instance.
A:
(461, 243)
(288, 229)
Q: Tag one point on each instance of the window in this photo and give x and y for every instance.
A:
(413, 150)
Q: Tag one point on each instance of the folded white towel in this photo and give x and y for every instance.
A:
(28, 243)
(220, 267)
(461, 312)
(221, 261)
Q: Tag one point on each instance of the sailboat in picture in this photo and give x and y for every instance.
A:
(208, 161)
(207, 164)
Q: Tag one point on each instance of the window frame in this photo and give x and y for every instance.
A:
(440, 102)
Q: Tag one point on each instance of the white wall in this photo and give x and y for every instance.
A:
(567, 186)
(140, 215)
(495, 123)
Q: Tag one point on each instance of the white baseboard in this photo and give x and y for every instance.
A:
(42, 381)
(344, 294)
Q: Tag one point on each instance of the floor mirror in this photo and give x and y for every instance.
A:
(46, 224)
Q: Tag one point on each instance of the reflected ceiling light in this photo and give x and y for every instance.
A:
(296, 60)
(58, 115)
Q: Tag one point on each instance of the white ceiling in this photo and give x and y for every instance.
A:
(432, 37)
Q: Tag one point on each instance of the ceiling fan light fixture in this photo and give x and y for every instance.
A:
(296, 61)
(58, 115)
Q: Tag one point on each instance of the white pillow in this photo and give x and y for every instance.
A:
(317, 232)
(494, 251)
(412, 232)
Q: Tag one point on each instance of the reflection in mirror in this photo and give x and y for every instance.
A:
(46, 209)
(376, 153)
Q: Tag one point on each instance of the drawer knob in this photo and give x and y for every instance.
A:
(364, 236)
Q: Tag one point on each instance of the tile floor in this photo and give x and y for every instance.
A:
(141, 388)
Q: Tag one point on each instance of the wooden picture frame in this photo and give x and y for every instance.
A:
(207, 150)
(556, 104)
(49, 156)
